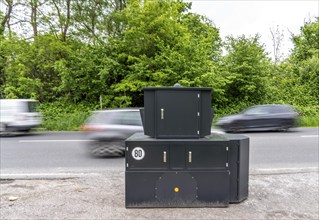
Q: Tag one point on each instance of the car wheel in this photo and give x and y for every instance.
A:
(285, 125)
(284, 128)
(3, 129)
(235, 128)
(107, 149)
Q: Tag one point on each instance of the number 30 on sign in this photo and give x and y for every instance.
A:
(138, 153)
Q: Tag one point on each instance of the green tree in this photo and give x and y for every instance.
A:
(80, 74)
(162, 44)
(29, 67)
(295, 80)
(246, 65)
(97, 20)
(305, 57)
(17, 83)
(306, 44)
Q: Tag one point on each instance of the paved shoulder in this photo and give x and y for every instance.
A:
(101, 196)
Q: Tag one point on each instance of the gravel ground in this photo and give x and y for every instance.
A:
(101, 196)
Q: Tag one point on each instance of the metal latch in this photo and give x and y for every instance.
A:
(164, 156)
(162, 113)
(189, 156)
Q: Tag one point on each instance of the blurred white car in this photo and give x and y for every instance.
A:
(107, 130)
(19, 115)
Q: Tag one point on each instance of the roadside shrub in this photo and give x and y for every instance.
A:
(309, 121)
(59, 116)
(308, 111)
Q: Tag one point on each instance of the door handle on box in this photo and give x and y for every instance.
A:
(162, 113)
(189, 156)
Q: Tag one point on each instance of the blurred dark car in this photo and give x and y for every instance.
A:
(261, 117)
(107, 130)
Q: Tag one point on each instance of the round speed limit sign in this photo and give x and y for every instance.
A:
(138, 153)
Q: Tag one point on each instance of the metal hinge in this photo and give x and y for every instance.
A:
(198, 114)
(226, 164)
(126, 164)
(226, 148)
(198, 132)
(126, 148)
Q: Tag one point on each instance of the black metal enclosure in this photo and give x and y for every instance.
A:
(177, 162)
(206, 172)
(177, 112)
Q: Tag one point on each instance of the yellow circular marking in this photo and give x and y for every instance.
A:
(176, 189)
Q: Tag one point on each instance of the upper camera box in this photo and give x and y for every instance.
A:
(177, 112)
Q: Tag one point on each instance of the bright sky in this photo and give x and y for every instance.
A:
(258, 16)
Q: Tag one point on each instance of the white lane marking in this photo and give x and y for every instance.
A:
(283, 170)
(85, 174)
(288, 168)
(48, 175)
(38, 174)
(43, 141)
(309, 136)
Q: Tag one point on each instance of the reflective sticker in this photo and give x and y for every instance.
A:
(138, 153)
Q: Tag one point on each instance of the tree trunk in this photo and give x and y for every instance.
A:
(6, 19)
(34, 17)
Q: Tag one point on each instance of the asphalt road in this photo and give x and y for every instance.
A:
(64, 152)
(35, 183)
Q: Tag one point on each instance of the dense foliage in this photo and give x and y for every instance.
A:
(71, 55)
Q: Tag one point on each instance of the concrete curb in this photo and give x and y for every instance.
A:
(70, 175)
(277, 171)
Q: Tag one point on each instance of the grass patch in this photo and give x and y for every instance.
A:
(65, 122)
(60, 116)
(309, 121)
(63, 117)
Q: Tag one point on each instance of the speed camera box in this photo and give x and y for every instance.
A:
(177, 112)
(205, 172)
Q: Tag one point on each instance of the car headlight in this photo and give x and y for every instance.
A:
(223, 121)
